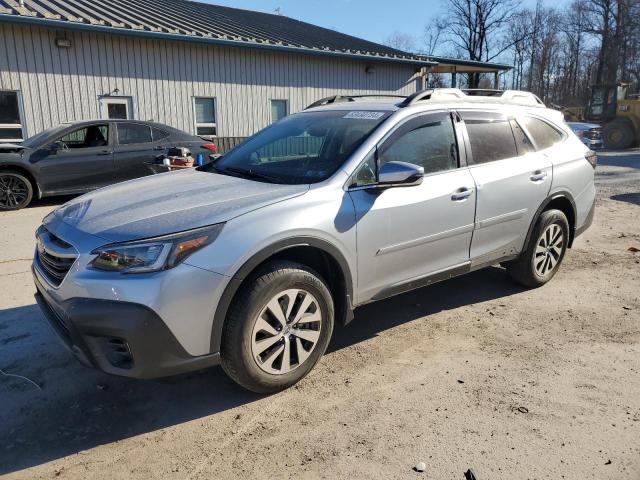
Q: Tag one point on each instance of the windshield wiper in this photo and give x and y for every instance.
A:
(250, 174)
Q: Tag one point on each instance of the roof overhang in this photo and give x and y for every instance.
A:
(455, 65)
(417, 61)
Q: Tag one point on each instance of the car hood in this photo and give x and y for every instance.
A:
(169, 203)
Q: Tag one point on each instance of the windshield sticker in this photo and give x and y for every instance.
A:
(364, 115)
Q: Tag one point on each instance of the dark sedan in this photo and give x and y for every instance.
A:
(82, 156)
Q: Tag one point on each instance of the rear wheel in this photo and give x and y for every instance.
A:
(278, 328)
(542, 257)
(16, 191)
(618, 134)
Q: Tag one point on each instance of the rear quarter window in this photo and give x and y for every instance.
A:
(490, 140)
(158, 134)
(543, 134)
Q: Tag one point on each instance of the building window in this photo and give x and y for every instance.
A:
(10, 122)
(278, 110)
(116, 108)
(205, 114)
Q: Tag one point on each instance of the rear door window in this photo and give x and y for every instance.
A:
(523, 143)
(543, 134)
(130, 133)
(491, 140)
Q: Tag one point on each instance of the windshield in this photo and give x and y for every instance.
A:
(304, 148)
(38, 138)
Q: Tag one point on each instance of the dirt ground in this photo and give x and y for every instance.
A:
(473, 373)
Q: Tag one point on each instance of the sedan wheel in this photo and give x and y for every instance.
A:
(15, 191)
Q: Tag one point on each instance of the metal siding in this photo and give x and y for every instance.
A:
(162, 77)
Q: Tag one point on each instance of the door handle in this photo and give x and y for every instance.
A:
(462, 194)
(105, 152)
(538, 176)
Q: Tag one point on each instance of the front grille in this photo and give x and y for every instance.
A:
(594, 134)
(54, 265)
(56, 268)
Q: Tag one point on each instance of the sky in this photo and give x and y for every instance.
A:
(373, 20)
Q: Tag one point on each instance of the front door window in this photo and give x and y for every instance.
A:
(87, 137)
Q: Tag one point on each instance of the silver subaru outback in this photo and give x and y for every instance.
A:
(251, 260)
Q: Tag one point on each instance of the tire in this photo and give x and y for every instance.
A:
(618, 134)
(16, 190)
(253, 350)
(542, 257)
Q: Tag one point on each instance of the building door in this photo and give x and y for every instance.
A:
(116, 108)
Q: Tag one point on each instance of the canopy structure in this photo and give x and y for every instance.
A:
(454, 66)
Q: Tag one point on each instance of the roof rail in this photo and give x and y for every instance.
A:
(484, 92)
(480, 95)
(476, 95)
(348, 98)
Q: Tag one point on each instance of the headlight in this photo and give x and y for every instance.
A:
(153, 254)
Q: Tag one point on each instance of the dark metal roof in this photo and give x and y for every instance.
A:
(187, 20)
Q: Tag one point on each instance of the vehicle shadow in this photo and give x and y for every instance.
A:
(633, 198)
(79, 409)
(620, 158)
(51, 201)
(370, 320)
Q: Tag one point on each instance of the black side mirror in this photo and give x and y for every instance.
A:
(55, 146)
(401, 174)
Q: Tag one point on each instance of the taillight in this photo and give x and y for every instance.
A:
(592, 158)
(210, 146)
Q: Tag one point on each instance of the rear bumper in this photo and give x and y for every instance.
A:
(588, 221)
(119, 338)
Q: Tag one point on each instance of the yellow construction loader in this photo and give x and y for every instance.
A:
(618, 112)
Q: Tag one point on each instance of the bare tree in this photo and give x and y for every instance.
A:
(475, 28)
(401, 41)
(433, 35)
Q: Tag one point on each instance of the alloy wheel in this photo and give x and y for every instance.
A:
(13, 191)
(548, 250)
(286, 331)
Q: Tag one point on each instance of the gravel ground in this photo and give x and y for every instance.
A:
(473, 373)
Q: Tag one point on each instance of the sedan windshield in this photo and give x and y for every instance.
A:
(304, 148)
(36, 140)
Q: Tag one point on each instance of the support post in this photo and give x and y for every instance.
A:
(495, 80)
(454, 80)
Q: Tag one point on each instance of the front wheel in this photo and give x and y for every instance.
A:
(16, 191)
(278, 327)
(542, 257)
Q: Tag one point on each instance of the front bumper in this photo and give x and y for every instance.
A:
(120, 338)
